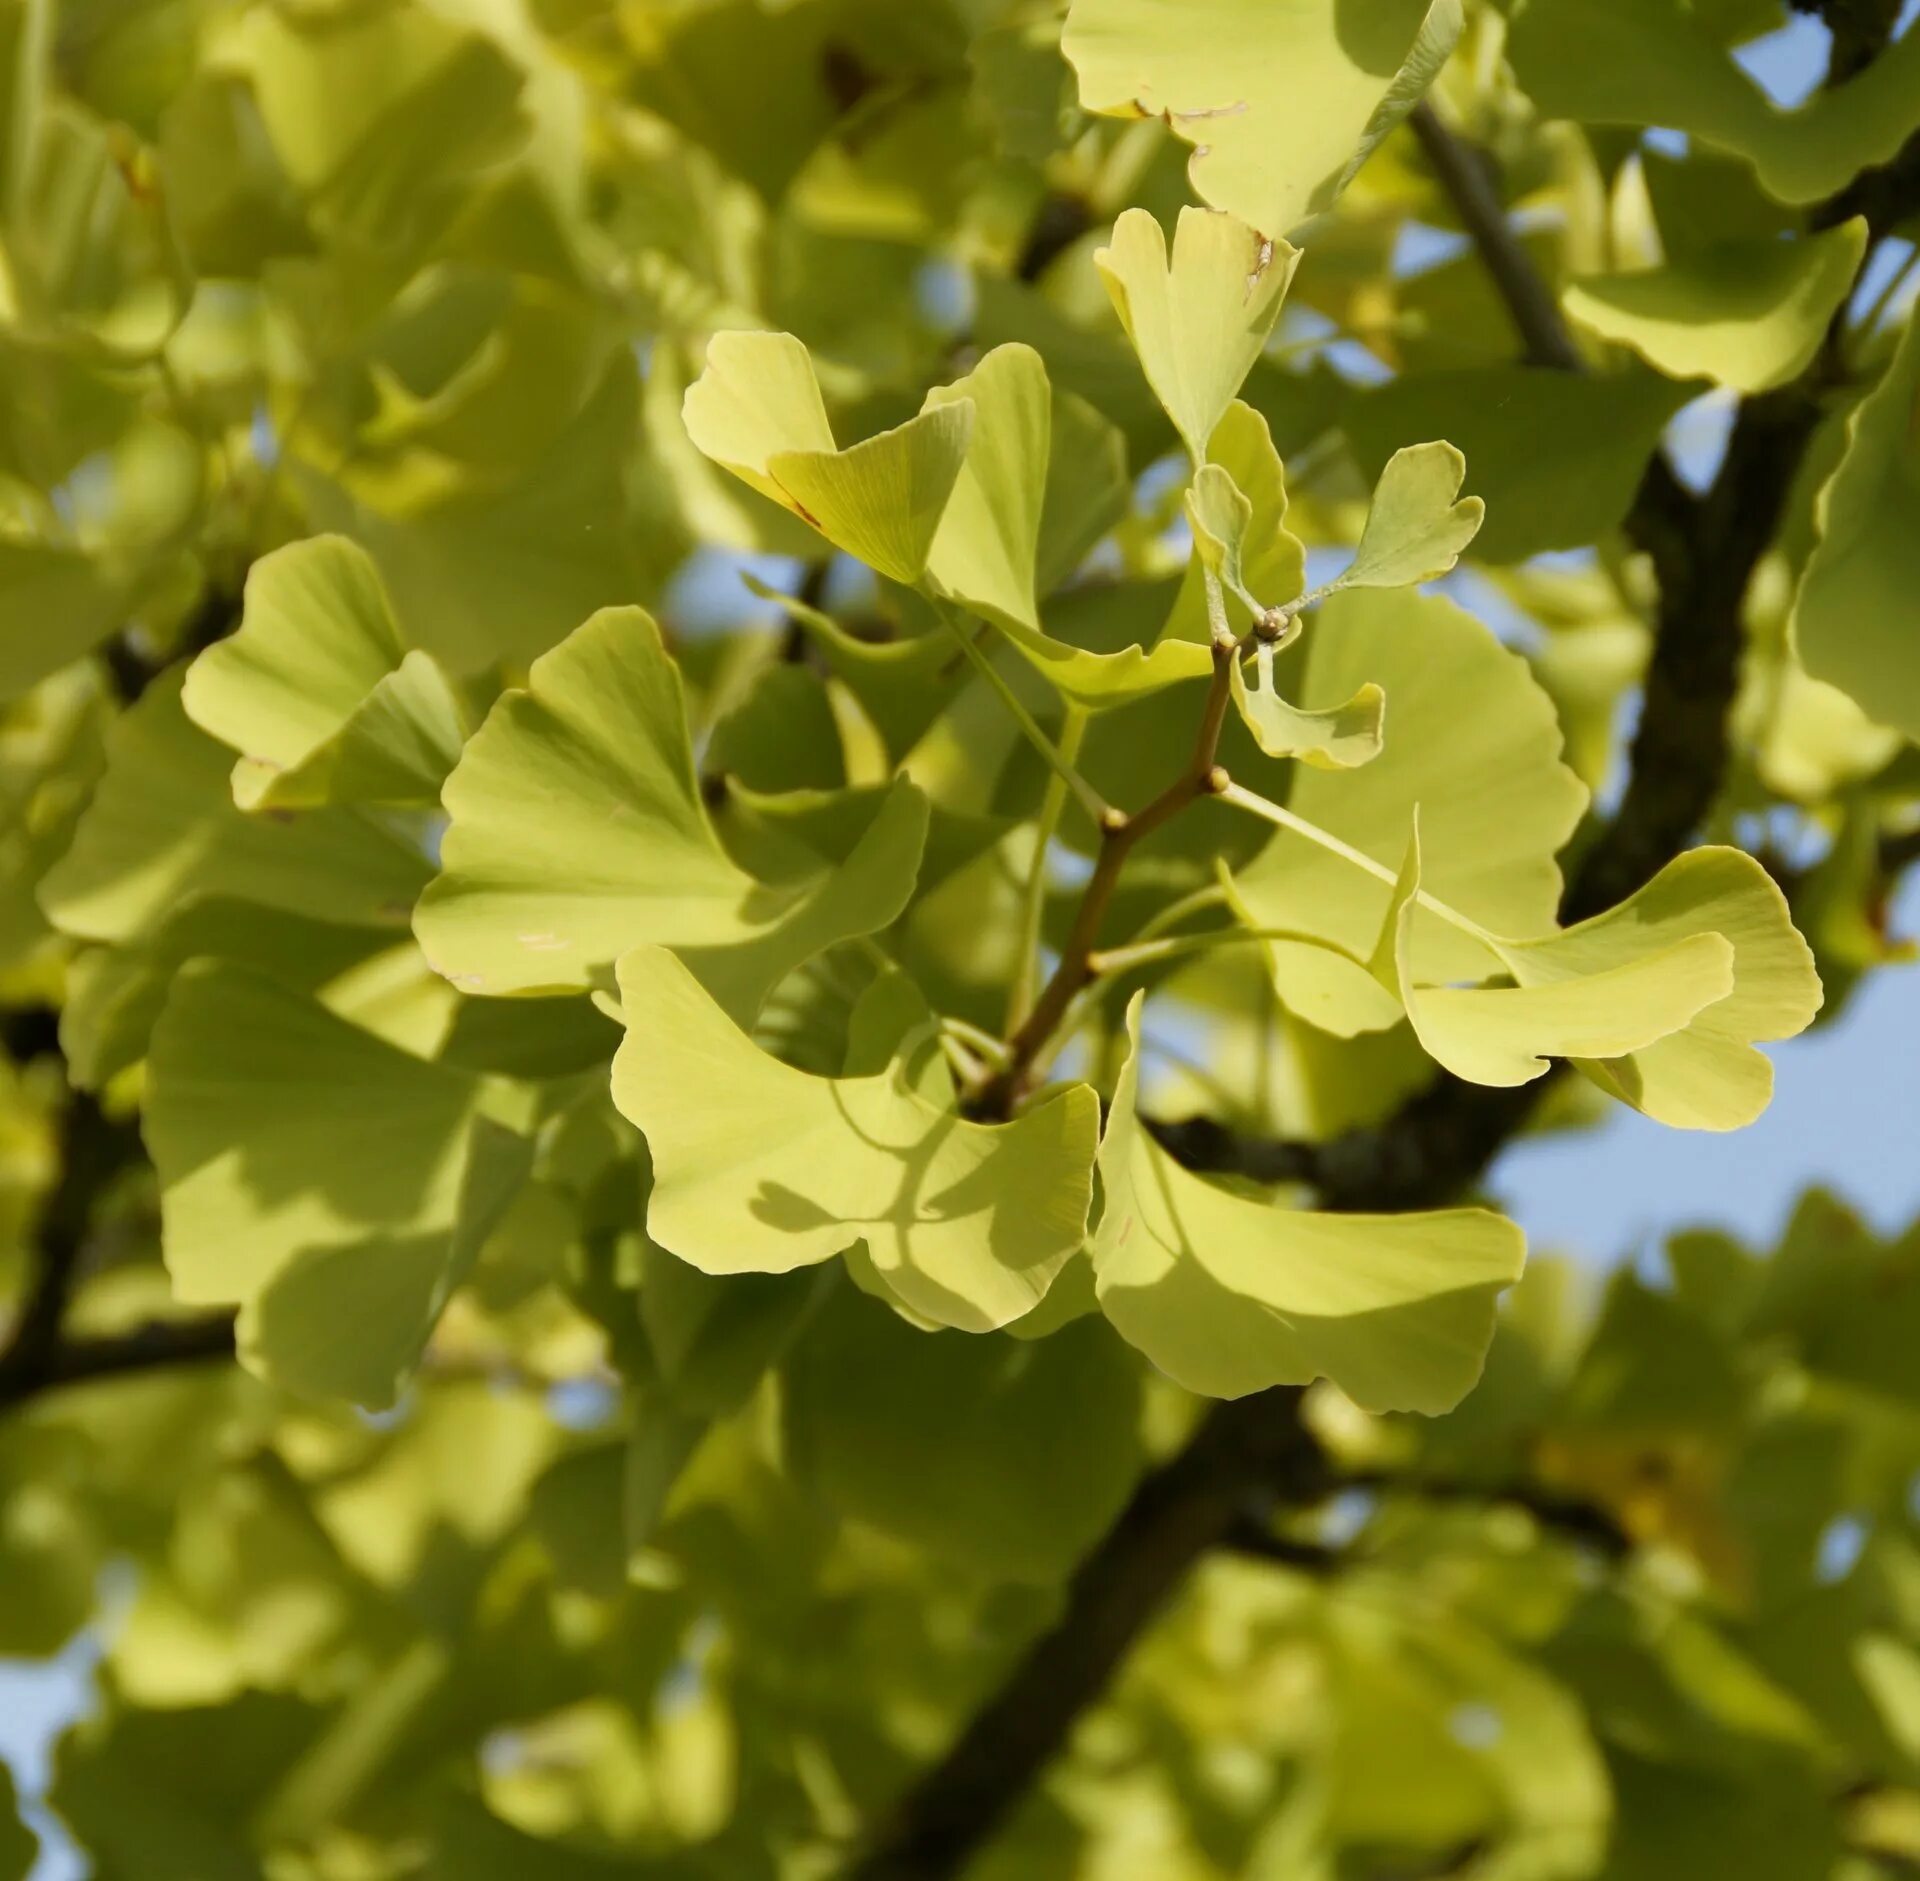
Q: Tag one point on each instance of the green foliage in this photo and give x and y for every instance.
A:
(776, 844)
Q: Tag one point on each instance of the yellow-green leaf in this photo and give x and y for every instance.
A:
(340, 1264)
(1418, 527)
(1751, 315)
(319, 693)
(1282, 99)
(1340, 738)
(1199, 318)
(757, 411)
(1229, 1295)
(1475, 745)
(759, 1168)
(577, 831)
(1853, 622)
(1610, 993)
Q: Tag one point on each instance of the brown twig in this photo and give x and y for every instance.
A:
(1120, 835)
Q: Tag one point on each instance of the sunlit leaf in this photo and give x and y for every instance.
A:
(340, 1267)
(1555, 456)
(1229, 1295)
(1654, 62)
(1853, 619)
(757, 410)
(1416, 530)
(1199, 317)
(1336, 739)
(1473, 744)
(578, 831)
(1750, 315)
(1282, 99)
(1607, 994)
(1273, 561)
(759, 1168)
(318, 692)
(985, 551)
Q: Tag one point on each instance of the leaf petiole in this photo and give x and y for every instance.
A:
(1089, 799)
(1256, 805)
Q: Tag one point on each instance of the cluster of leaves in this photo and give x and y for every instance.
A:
(709, 1065)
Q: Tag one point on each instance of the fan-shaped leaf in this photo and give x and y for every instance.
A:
(1337, 739)
(1283, 99)
(1556, 456)
(318, 692)
(1612, 998)
(1475, 745)
(1199, 318)
(1416, 530)
(757, 410)
(340, 1265)
(759, 1168)
(1228, 1295)
(1853, 621)
(1750, 315)
(578, 831)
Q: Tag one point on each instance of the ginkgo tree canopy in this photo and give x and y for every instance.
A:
(794, 799)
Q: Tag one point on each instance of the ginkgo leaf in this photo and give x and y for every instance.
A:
(340, 1265)
(1228, 1295)
(1709, 1077)
(486, 569)
(1088, 489)
(1100, 682)
(577, 831)
(1417, 529)
(1661, 1001)
(1283, 100)
(1475, 745)
(1199, 318)
(1607, 992)
(1221, 519)
(985, 552)
(757, 411)
(163, 828)
(1555, 456)
(759, 1168)
(1273, 561)
(1339, 738)
(318, 692)
(1750, 315)
(1853, 617)
(1655, 63)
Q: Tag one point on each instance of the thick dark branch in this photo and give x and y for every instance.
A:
(164, 1345)
(93, 1149)
(1468, 176)
(1704, 554)
(1177, 1515)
